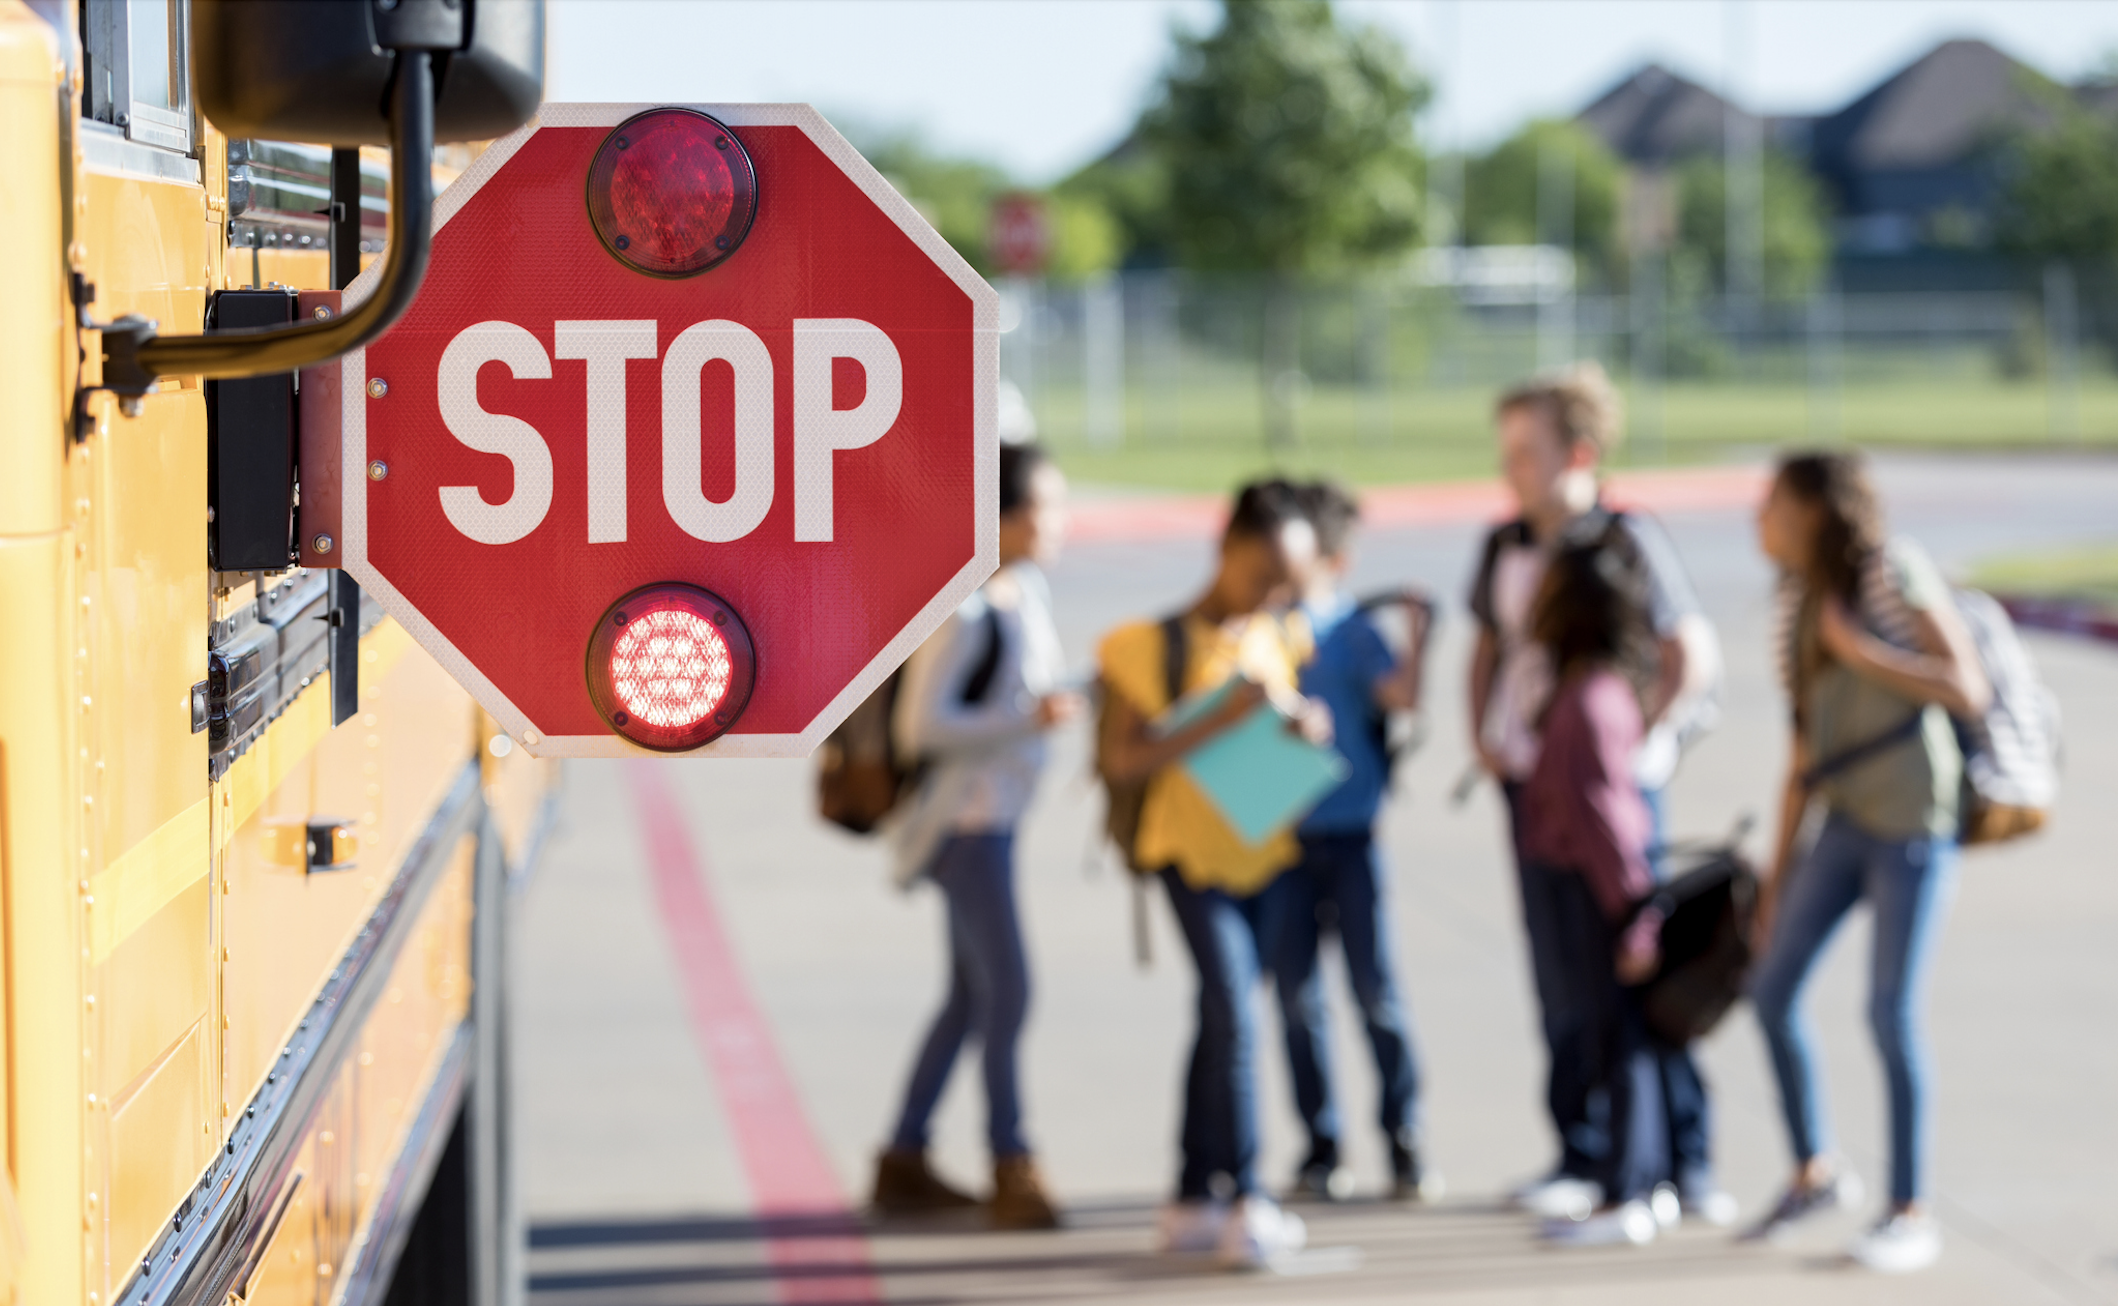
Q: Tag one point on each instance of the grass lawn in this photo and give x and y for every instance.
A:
(2089, 573)
(1210, 436)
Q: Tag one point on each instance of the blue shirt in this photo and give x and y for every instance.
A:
(1350, 657)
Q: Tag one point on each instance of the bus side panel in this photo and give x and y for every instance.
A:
(428, 996)
(41, 1115)
(138, 485)
(384, 770)
(40, 830)
(358, 1132)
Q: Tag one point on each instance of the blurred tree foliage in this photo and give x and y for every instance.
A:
(1500, 193)
(1285, 142)
(957, 195)
(2061, 197)
(1796, 225)
(1087, 240)
(1131, 187)
(1281, 142)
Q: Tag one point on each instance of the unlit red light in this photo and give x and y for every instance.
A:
(671, 192)
(670, 668)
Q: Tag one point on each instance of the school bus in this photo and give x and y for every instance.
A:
(254, 843)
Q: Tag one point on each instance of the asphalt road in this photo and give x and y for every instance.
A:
(717, 998)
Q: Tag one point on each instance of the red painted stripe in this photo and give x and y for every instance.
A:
(783, 1160)
(1148, 518)
(2063, 616)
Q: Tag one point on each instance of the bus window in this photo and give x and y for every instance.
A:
(138, 69)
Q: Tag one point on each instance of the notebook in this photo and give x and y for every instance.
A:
(1262, 776)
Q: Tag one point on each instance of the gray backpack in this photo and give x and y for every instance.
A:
(2011, 753)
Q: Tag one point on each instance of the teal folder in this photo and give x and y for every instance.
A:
(1259, 773)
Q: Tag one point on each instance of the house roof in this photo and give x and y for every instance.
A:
(1655, 117)
(1934, 112)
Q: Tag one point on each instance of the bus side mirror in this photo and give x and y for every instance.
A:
(346, 73)
(320, 71)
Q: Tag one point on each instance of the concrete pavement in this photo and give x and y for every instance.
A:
(634, 1150)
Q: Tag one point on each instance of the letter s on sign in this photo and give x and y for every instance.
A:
(510, 437)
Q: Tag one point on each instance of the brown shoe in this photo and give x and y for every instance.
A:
(1019, 1199)
(905, 1185)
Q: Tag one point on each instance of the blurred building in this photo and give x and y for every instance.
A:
(1913, 166)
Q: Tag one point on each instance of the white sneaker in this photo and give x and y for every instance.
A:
(1258, 1232)
(1190, 1226)
(1667, 1206)
(1562, 1197)
(1901, 1244)
(1715, 1206)
(1632, 1222)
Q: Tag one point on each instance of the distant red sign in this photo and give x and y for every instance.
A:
(1019, 234)
(689, 439)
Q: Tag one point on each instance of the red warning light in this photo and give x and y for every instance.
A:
(671, 192)
(670, 667)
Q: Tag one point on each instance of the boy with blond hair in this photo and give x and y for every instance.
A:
(1554, 432)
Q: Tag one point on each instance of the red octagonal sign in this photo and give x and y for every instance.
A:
(689, 439)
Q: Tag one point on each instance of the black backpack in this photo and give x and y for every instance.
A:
(1707, 913)
(861, 776)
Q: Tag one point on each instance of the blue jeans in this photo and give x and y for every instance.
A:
(1684, 1098)
(1220, 1131)
(1339, 877)
(989, 991)
(1907, 883)
(1617, 1054)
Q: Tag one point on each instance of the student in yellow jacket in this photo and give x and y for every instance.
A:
(1232, 632)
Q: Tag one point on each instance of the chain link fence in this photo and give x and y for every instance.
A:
(1170, 360)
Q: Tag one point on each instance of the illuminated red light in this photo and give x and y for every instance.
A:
(670, 667)
(671, 192)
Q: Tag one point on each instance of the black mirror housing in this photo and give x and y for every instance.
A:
(319, 71)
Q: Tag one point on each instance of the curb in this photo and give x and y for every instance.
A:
(2062, 616)
(1125, 519)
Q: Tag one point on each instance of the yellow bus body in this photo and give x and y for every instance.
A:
(161, 943)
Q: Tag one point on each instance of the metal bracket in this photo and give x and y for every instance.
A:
(344, 649)
(120, 372)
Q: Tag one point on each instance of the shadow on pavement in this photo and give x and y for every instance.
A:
(1357, 1250)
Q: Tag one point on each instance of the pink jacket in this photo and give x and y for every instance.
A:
(1581, 810)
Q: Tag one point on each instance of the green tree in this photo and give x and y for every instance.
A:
(1087, 240)
(1131, 186)
(1795, 220)
(2061, 195)
(956, 195)
(1285, 143)
(1501, 192)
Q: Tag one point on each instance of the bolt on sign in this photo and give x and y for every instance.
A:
(689, 440)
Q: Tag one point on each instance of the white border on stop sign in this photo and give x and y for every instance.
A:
(985, 377)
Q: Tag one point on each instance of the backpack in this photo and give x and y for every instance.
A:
(1706, 925)
(861, 775)
(1393, 740)
(2011, 752)
(1124, 801)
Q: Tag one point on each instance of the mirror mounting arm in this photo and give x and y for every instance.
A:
(134, 355)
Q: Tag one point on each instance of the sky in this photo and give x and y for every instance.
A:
(1043, 86)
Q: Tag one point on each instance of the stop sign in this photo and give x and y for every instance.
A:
(689, 439)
